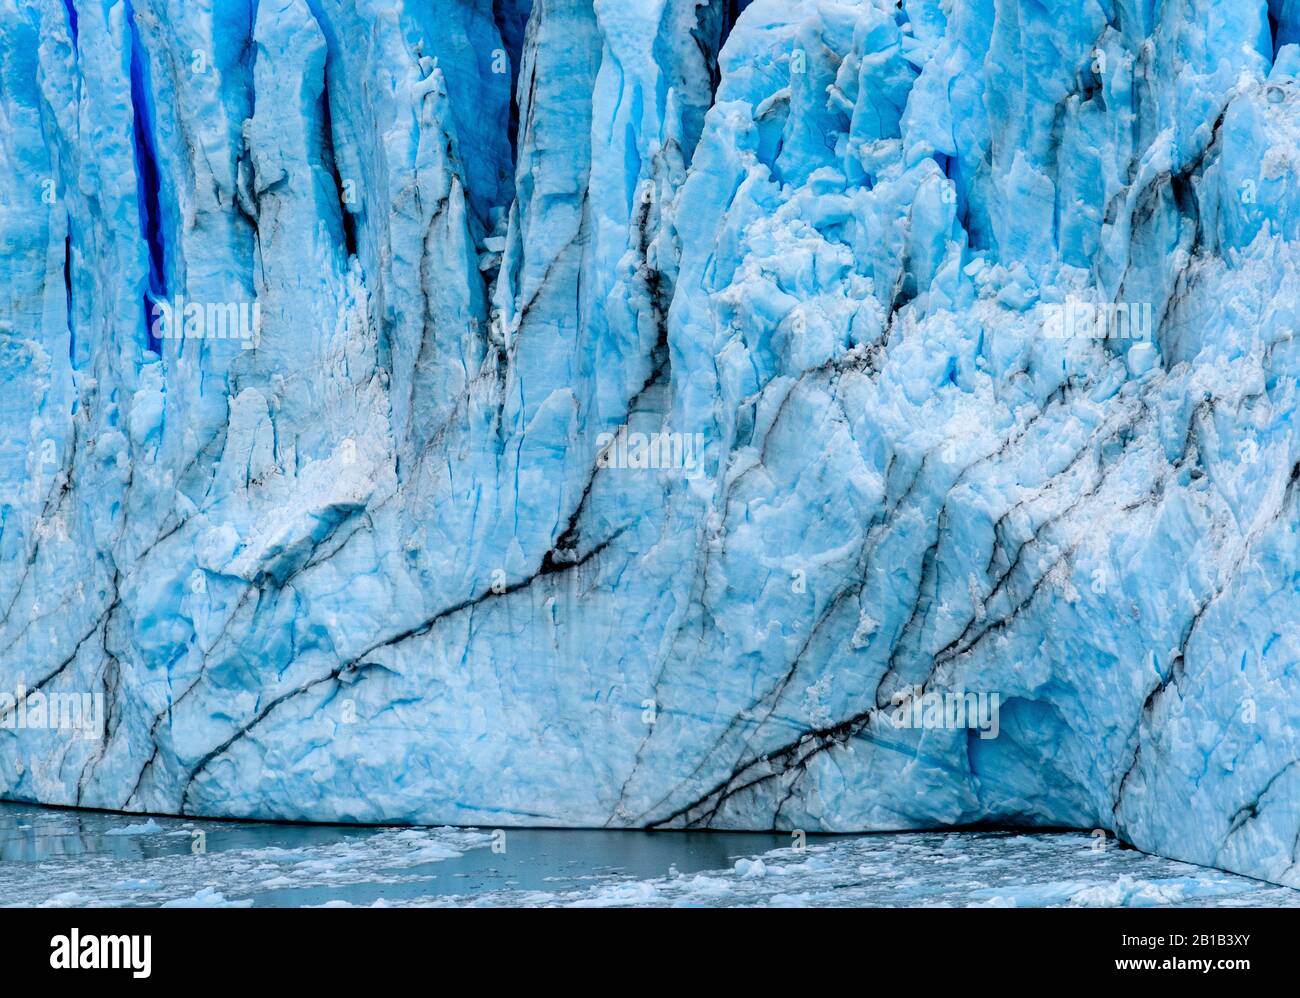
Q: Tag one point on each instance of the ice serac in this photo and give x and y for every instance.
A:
(378, 561)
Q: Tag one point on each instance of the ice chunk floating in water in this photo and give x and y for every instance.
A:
(950, 348)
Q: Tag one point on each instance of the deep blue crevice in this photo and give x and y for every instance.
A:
(713, 27)
(67, 287)
(348, 220)
(148, 182)
(71, 8)
(734, 8)
(512, 22)
(1283, 24)
(1275, 11)
(325, 112)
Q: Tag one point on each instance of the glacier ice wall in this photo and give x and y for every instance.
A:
(375, 563)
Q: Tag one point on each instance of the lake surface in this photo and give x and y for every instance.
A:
(63, 858)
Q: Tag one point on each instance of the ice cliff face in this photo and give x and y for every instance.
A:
(386, 547)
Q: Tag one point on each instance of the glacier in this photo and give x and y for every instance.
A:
(367, 556)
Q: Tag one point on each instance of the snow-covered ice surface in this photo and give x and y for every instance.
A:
(381, 560)
(69, 859)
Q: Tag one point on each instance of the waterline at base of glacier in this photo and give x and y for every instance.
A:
(65, 858)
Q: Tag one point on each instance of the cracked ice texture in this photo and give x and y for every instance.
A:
(372, 570)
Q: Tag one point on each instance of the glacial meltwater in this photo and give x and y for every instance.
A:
(64, 858)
